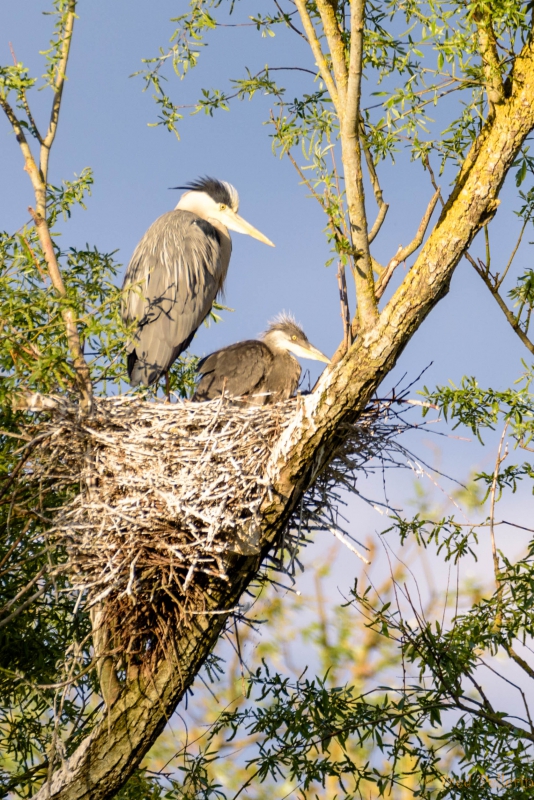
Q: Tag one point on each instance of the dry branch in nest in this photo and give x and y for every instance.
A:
(166, 495)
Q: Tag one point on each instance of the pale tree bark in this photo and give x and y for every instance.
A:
(127, 730)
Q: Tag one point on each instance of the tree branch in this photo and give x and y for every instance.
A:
(490, 59)
(336, 46)
(38, 178)
(513, 321)
(382, 205)
(80, 364)
(345, 312)
(318, 54)
(404, 252)
(59, 84)
(29, 163)
(525, 666)
(366, 312)
(287, 19)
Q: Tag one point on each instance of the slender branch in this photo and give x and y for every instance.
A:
(23, 607)
(502, 305)
(59, 84)
(488, 248)
(318, 54)
(287, 20)
(499, 280)
(345, 312)
(38, 178)
(379, 221)
(339, 194)
(366, 312)
(490, 59)
(29, 163)
(493, 492)
(80, 364)
(520, 662)
(382, 205)
(404, 252)
(333, 33)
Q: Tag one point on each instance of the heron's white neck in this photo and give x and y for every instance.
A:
(201, 204)
(277, 342)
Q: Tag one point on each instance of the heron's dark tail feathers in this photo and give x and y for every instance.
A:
(144, 369)
(141, 372)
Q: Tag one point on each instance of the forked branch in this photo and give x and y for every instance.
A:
(404, 252)
(512, 319)
(59, 83)
(318, 54)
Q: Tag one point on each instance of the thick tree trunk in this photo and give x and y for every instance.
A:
(127, 730)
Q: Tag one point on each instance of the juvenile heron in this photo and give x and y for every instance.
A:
(264, 371)
(176, 272)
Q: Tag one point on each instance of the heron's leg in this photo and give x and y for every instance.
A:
(167, 389)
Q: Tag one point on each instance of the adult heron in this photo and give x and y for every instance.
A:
(262, 371)
(176, 272)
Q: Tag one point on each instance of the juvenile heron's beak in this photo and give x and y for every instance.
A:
(236, 223)
(307, 351)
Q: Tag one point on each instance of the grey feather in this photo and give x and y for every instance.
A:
(176, 272)
(248, 369)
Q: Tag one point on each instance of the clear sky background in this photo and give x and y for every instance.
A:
(104, 125)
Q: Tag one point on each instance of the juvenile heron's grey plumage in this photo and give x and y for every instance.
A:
(175, 274)
(262, 371)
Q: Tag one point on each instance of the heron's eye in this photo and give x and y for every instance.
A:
(294, 338)
(222, 207)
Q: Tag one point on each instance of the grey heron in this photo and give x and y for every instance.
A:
(263, 371)
(176, 272)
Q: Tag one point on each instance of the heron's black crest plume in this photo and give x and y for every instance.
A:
(219, 191)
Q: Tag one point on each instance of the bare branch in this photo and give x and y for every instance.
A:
(490, 59)
(345, 312)
(80, 364)
(404, 252)
(500, 279)
(333, 33)
(29, 164)
(520, 662)
(426, 163)
(493, 492)
(59, 84)
(367, 312)
(287, 19)
(379, 221)
(382, 206)
(513, 321)
(318, 54)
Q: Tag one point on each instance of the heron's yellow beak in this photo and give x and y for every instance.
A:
(236, 223)
(307, 351)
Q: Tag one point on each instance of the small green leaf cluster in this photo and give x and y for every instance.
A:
(478, 409)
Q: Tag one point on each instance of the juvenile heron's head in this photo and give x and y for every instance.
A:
(284, 334)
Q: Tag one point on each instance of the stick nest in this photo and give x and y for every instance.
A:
(163, 496)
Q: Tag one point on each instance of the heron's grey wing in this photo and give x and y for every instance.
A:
(240, 368)
(171, 283)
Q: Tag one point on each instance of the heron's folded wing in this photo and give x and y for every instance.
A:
(170, 285)
(240, 368)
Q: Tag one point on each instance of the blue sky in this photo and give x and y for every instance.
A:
(104, 126)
